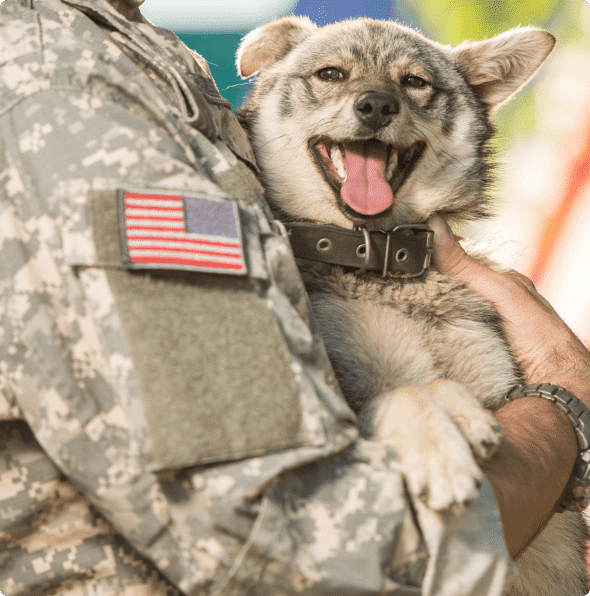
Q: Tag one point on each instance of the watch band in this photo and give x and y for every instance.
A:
(577, 496)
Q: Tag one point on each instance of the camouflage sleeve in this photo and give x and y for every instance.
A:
(345, 525)
(71, 126)
(54, 147)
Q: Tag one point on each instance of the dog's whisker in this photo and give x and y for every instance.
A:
(311, 134)
(450, 158)
(245, 84)
(271, 141)
(268, 159)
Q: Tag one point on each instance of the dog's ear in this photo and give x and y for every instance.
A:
(497, 68)
(269, 43)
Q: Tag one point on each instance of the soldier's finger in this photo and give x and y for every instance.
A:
(450, 258)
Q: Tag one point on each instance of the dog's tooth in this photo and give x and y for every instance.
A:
(391, 165)
(335, 153)
(336, 157)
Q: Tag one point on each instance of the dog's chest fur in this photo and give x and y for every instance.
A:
(385, 333)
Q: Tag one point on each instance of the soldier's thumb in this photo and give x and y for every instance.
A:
(449, 256)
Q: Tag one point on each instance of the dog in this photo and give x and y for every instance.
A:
(362, 129)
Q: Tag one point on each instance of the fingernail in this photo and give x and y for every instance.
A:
(441, 229)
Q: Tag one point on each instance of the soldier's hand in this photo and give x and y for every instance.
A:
(545, 347)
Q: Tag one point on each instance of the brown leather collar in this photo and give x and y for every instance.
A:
(405, 250)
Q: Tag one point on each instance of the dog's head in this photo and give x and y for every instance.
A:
(369, 123)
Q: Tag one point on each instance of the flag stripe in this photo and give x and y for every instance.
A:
(156, 226)
(150, 218)
(191, 262)
(139, 209)
(152, 203)
(160, 249)
(134, 240)
(153, 254)
(130, 197)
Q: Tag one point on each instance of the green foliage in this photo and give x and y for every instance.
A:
(452, 21)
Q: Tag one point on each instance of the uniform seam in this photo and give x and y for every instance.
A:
(4, 110)
(9, 107)
(242, 554)
(42, 50)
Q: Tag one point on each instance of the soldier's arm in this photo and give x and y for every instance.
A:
(533, 465)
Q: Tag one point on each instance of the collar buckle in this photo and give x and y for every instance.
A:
(401, 254)
(367, 251)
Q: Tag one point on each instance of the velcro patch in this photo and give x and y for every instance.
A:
(189, 232)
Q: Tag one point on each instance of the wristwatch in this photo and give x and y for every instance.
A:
(577, 495)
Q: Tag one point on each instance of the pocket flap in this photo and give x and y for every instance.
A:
(216, 377)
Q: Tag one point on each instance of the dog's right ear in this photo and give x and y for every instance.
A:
(269, 43)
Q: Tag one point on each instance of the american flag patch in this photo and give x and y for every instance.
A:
(171, 231)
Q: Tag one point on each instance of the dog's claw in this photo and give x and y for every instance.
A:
(445, 485)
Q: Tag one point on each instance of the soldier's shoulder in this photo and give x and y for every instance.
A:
(19, 31)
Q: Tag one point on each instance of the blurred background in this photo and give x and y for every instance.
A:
(542, 198)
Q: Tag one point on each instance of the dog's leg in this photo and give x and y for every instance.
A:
(477, 424)
(437, 460)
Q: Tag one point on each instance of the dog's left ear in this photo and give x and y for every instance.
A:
(497, 68)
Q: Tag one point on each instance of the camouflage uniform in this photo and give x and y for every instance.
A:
(174, 433)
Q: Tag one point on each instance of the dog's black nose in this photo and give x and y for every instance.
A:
(376, 108)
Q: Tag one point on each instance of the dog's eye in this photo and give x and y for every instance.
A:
(414, 81)
(330, 74)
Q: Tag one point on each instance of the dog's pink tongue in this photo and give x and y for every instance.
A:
(366, 191)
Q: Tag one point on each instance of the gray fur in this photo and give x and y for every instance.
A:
(417, 359)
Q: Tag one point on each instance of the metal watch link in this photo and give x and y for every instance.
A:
(577, 497)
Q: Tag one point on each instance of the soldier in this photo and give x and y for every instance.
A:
(170, 423)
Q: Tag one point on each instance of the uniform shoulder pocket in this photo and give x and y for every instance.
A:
(214, 371)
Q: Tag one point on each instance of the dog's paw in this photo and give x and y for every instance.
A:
(477, 425)
(437, 461)
(482, 432)
(444, 481)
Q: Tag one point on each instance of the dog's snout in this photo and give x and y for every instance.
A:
(376, 109)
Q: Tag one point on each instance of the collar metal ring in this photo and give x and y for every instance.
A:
(365, 266)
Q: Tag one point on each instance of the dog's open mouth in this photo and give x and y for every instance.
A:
(366, 174)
